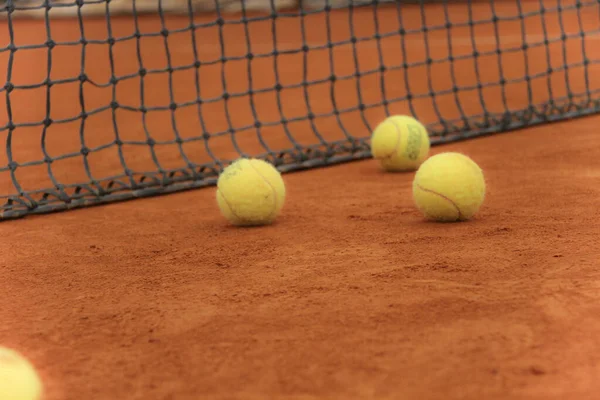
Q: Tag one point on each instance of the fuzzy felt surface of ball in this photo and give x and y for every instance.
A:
(449, 187)
(250, 192)
(400, 143)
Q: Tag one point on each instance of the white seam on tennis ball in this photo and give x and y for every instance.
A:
(229, 206)
(460, 215)
(272, 213)
(399, 130)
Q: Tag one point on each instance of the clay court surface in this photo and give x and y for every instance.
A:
(349, 295)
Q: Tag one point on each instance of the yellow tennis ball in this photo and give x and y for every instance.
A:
(400, 143)
(18, 378)
(449, 187)
(250, 192)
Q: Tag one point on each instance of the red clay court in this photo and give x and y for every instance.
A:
(351, 294)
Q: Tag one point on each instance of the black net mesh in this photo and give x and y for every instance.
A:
(105, 101)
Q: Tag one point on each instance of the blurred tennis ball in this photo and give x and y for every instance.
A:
(18, 378)
(400, 143)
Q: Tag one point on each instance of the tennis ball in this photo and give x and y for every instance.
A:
(250, 192)
(18, 378)
(449, 187)
(400, 143)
